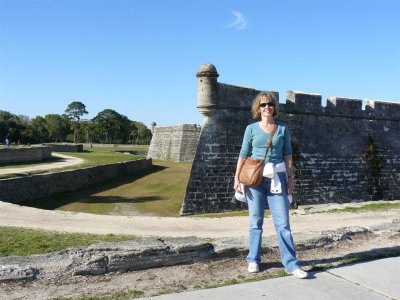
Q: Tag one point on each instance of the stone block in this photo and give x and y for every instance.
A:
(17, 273)
(344, 106)
(301, 102)
(382, 109)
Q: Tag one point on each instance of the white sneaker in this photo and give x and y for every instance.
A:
(299, 273)
(253, 268)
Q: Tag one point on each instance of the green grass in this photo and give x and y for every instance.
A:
(239, 213)
(120, 295)
(24, 242)
(92, 157)
(242, 279)
(100, 156)
(366, 207)
(158, 191)
(166, 292)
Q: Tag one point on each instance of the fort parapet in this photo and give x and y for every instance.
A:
(342, 153)
(175, 143)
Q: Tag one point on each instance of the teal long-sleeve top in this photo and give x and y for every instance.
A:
(255, 143)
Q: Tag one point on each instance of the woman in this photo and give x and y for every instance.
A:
(276, 189)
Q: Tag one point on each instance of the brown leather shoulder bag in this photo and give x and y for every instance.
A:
(251, 173)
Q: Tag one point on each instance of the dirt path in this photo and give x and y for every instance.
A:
(66, 162)
(22, 216)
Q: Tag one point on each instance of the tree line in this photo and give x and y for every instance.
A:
(108, 127)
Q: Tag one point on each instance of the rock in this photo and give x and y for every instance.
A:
(17, 273)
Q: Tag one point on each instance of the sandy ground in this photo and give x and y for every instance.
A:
(28, 217)
(188, 277)
(67, 161)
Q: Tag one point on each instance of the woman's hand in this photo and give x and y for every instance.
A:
(290, 185)
(239, 166)
(236, 186)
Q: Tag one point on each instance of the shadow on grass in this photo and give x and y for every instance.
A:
(116, 199)
(84, 151)
(86, 194)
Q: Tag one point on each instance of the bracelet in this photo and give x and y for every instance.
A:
(290, 176)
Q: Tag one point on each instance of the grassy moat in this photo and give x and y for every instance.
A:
(158, 191)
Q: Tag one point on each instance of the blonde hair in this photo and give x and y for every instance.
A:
(255, 107)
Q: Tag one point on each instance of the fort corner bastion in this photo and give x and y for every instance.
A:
(342, 153)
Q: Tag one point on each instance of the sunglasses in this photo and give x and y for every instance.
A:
(264, 104)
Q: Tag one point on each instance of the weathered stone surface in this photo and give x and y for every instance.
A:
(16, 273)
(16, 190)
(316, 240)
(235, 246)
(175, 143)
(96, 265)
(391, 226)
(187, 244)
(138, 247)
(126, 256)
(330, 147)
(103, 258)
(19, 154)
(65, 147)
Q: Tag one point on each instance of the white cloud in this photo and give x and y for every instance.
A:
(240, 22)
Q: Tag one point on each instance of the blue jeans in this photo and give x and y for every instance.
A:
(279, 207)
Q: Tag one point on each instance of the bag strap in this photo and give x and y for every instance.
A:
(270, 140)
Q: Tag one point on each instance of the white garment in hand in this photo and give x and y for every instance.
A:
(241, 197)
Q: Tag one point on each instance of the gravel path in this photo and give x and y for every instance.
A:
(66, 162)
(28, 217)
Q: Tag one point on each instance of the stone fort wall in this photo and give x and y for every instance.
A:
(19, 154)
(65, 147)
(21, 189)
(342, 153)
(176, 143)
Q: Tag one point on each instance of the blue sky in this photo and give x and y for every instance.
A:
(140, 57)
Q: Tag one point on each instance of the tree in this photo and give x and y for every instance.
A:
(75, 111)
(57, 127)
(40, 133)
(25, 120)
(111, 126)
(108, 126)
(89, 129)
(133, 131)
(142, 133)
(11, 126)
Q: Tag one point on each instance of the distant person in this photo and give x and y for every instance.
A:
(7, 142)
(277, 188)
